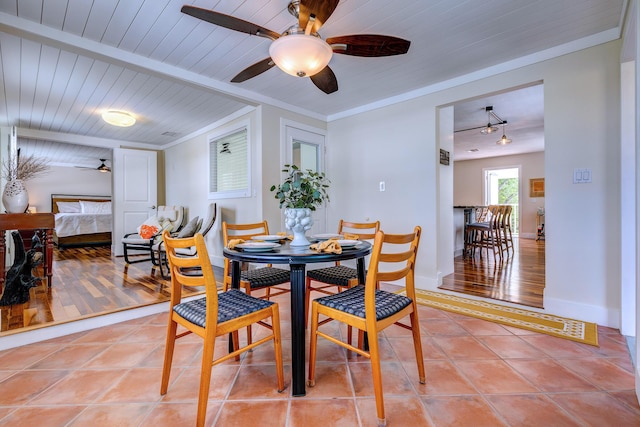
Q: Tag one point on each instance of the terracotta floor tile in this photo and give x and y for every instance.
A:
(137, 386)
(404, 348)
(70, 356)
(549, 375)
(511, 346)
(431, 350)
(243, 413)
(42, 416)
(494, 376)
(398, 411)
(4, 411)
(520, 331)
(112, 415)
(81, 386)
(332, 380)
(480, 327)
(610, 346)
(394, 379)
(24, 386)
(597, 409)
(322, 413)
(628, 397)
(184, 354)
(531, 410)
(601, 372)
(106, 334)
(443, 378)
(180, 414)
(558, 347)
(183, 385)
(466, 347)
(23, 357)
(459, 411)
(264, 354)
(430, 313)
(477, 373)
(438, 327)
(125, 355)
(259, 382)
(146, 333)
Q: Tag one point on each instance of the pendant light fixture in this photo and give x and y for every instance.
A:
(489, 128)
(504, 140)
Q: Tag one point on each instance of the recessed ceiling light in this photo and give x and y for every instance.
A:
(118, 118)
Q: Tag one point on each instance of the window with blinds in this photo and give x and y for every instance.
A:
(229, 166)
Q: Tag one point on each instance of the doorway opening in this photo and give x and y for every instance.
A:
(502, 187)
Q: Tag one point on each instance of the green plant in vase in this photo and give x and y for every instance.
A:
(300, 193)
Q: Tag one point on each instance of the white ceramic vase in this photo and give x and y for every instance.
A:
(15, 197)
(299, 221)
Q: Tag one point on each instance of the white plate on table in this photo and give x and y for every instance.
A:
(348, 243)
(257, 246)
(325, 236)
(269, 237)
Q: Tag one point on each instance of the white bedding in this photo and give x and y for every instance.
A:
(72, 224)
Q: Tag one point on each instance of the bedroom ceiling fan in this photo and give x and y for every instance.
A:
(300, 51)
(102, 168)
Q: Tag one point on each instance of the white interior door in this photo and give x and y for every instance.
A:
(135, 191)
(304, 147)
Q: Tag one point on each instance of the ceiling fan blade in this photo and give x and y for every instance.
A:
(325, 80)
(369, 45)
(253, 70)
(229, 22)
(322, 9)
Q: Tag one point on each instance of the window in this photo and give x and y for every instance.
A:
(229, 165)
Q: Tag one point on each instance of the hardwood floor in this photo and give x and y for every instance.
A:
(518, 279)
(88, 281)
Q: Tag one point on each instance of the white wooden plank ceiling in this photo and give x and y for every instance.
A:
(62, 62)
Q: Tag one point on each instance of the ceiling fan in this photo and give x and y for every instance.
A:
(102, 168)
(300, 51)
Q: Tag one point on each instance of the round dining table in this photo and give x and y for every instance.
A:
(297, 257)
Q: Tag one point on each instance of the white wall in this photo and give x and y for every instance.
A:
(399, 144)
(187, 175)
(65, 180)
(468, 184)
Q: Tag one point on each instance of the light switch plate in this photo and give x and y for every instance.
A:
(581, 176)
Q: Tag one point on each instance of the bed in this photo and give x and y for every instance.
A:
(81, 220)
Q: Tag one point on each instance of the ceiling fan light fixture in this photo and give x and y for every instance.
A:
(300, 55)
(118, 118)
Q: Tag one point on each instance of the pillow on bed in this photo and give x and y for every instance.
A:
(149, 228)
(69, 207)
(95, 207)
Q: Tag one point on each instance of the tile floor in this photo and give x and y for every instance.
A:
(478, 374)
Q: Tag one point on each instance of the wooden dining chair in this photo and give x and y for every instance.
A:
(338, 276)
(211, 316)
(485, 235)
(372, 310)
(268, 277)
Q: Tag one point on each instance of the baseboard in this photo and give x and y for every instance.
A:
(603, 316)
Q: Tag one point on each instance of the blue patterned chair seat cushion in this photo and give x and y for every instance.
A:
(231, 305)
(337, 275)
(352, 301)
(266, 276)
